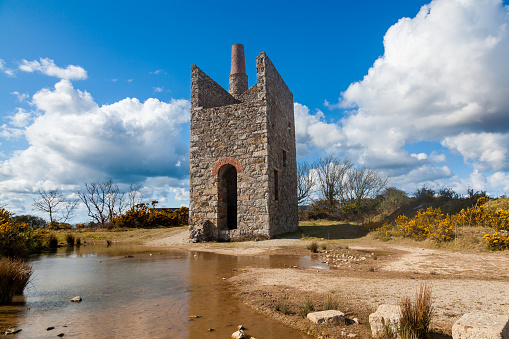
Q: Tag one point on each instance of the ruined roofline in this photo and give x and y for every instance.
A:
(267, 68)
(207, 93)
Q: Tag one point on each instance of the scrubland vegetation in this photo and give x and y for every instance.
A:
(361, 196)
(17, 241)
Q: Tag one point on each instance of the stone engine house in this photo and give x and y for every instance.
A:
(243, 180)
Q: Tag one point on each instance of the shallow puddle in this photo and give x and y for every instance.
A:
(134, 292)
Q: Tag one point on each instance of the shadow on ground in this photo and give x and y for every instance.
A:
(329, 232)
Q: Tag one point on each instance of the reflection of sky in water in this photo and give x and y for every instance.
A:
(150, 294)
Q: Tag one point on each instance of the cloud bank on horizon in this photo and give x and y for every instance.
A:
(73, 140)
(443, 78)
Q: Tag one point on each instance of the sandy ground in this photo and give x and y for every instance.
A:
(462, 282)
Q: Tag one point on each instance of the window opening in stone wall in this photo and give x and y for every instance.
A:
(290, 128)
(227, 197)
(276, 185)
(284, 159)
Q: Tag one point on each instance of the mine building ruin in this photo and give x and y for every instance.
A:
(243, 176)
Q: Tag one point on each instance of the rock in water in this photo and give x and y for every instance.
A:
(76, 299)
(12, 331)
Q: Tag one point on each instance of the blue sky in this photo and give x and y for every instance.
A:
(94, 90)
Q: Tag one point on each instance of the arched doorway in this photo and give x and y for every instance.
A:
(227, 197)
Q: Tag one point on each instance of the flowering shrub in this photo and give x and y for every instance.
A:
(17, 239)
(430, 224)
(496, 242)
(435, 225)
(54, 225)
(481, 216)
(145, 217)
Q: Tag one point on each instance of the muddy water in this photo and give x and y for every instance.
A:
(131, 292)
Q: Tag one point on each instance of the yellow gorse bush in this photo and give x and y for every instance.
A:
(143, 216)
(17, 239)
(496, 241)
(480, 215)
(435, 225)
(429, 224)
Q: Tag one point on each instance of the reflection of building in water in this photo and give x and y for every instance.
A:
(243, 164)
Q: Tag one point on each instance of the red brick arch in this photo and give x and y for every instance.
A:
(229, 160)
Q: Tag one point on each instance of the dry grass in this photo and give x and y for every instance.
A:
(14, 277)
(136, 236)
(52, 241)
(416, 316)
(313, 247)
(69, 238)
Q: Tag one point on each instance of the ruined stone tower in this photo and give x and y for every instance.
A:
(243, 162)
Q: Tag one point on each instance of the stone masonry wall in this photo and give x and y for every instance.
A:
(206, 93)
(238, 132)
(282, 150)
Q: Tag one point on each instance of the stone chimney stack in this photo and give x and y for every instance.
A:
(238, 76)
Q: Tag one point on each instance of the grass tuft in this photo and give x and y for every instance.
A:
(282, 306)
(313, 247)
(306, 308)
(14, 277)
(416, 316)
(330, 303)
(52, 241)
(69, 238)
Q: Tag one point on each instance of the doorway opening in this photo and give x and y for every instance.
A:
(227, 197)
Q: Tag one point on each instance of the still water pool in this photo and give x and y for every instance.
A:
(134, 292)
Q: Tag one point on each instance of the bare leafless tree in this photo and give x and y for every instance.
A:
(135, 196)
(49, 202)
(305, 181)
(331, 171)
(103, 200)
(362, 183)
(69, 208)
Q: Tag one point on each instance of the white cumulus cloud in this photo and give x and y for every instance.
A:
(47, 66)
(490, 149)
(311, 130)
(74, 140)
(443, 77)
